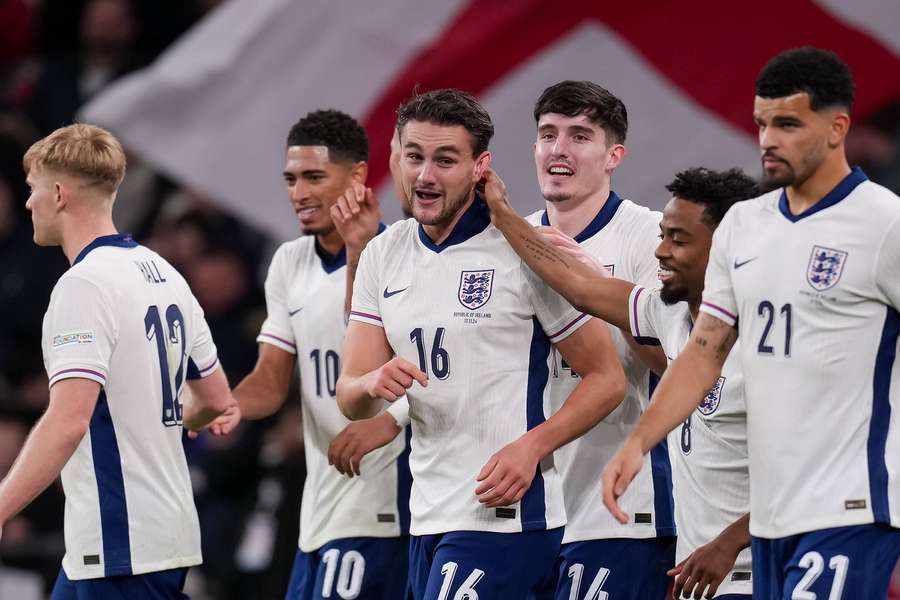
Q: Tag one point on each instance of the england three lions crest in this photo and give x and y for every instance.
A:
(825, 267)
(711, 402)
(475, 288)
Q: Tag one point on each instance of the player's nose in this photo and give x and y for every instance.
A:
(426, 173)
(299, 191)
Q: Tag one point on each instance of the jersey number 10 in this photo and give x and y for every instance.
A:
(173, 333)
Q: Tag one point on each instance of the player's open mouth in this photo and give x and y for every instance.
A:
(308, 210)
(426, 196)
(558, 169)
(664, 274)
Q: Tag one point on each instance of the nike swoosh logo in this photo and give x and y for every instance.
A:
(739, 264)
(388, 294)
(291, 313)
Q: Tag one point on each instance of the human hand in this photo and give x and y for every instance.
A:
(393, 378)
(357, 439)
(507, 475)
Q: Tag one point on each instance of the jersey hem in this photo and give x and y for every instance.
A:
(481, 526)
(644, 533)
(136, 569)
(314, 546)
(809, 526)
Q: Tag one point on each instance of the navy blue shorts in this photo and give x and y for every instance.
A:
(364, 568)
(162, 585)
(623, 568)
(842, 562)
(495, 566)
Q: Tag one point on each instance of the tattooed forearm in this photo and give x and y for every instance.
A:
(540, 250)
(715, 334)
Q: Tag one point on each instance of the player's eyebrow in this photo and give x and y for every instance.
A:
(786, 120)
(580, 129)
(675, 231)
(447, 148)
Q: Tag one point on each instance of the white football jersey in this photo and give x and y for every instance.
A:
(480, 324)
(124, 317)
(815, 297)
(305, 291)
(708, 450)
(623, 236)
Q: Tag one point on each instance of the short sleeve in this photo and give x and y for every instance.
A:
(276, 329)
(718, 293)
(79, 332)
(887, 269)
(399, 409)
(364, 307)
(203, 358)
(557, 317)
(643, 309)
(643, 251)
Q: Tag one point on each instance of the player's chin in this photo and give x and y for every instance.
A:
(672, 292)
(316, 228)
(777, 177)
(430, 215)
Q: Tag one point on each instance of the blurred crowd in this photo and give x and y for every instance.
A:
(54, 55)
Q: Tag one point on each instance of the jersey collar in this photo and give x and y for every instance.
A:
(120, 240)
(475, 220)
(331, 263)
(840, 191)
(601, 220)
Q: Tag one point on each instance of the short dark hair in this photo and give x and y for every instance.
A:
(339, 132)
(819, 73)
(450, 107)
(717, 191)
(575, 98)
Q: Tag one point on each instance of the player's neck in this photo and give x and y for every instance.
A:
(694, 307)
(331, 242)
(439, 233)
(573, 216)
(809, 193)
(85, 230)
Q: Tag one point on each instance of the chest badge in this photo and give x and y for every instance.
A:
(825, 267)
(475, 288)
(711, 402)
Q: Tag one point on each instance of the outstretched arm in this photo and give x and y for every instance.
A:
(50, 444)
(680, 391)
(556, 259)
(590, 352)
(262, 392)
(708, 565)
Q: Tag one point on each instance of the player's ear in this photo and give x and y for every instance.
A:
(61, 195)
(482, 164)
(360, 171)
(616, 155)
(840, 125)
